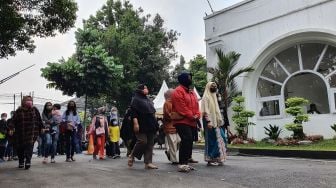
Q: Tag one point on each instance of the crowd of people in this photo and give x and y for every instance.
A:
(58, 133)
(181, 120)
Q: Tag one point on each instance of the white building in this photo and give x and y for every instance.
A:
(292, 46)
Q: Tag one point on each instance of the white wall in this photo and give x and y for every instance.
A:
(259, 29)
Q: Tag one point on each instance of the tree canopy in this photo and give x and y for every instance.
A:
(21, 20)
(198, 68)
(128, 37)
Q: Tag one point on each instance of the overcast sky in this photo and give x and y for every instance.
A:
(185, 16)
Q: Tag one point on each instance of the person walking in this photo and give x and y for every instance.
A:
(127, 133)
(185, 116)
(48, 121)
(99, 130)
(71, 120)
(3, 136)
(10, 150)
(54, 130)
(114, 137)
(144, 125)
(172, 138)
(215, 148)
(28, 123)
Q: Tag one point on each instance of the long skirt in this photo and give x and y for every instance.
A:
(215, 144)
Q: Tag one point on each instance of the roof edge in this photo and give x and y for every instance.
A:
(234, 6)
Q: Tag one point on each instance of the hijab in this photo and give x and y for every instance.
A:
(210, 107)
(141, 103)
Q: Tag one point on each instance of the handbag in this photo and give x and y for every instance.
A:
(69, 127)
(100, 131)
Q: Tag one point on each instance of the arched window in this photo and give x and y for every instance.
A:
(305, 70)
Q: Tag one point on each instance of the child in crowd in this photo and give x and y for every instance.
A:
(114, 133)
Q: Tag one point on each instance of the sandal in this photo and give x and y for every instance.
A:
(150, 166)
(191, 167)
(184, 168)
(130, 161)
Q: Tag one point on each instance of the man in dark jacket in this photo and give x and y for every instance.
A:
(28, 123)
(3, 136)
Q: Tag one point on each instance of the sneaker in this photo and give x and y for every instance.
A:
(212, 164)
(94, 156)
(68, 160)
(45, 161)
(52, 161)
(73, 159)
(21, 165)
(27, 166)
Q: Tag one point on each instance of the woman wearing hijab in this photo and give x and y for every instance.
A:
(27, 123)
(215, 150)
(99, 130)
(144, 126)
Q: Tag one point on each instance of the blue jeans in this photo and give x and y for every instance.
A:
(40, 148)
(54, 140)
(46, 144)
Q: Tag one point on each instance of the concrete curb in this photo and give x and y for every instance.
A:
(307, 154)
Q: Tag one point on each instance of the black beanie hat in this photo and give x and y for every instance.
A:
(183, 79)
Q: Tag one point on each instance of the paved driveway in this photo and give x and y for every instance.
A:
(238, 172)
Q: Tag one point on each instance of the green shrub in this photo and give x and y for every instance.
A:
(294, 108)
(334, 127)
(273, 132)
(241, 117)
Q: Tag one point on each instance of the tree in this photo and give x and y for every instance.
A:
(294, 108)
(137, 42)
(224, 75)
(198, 68)
(95, 75)
(22, 20)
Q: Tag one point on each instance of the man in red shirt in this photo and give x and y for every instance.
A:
(185, 116)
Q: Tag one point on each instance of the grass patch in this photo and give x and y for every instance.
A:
(325, 145)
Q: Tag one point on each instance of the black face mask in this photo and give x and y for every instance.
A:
(213, 90)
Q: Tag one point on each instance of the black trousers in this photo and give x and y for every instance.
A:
(186, 134)
(113, 149)
(70, 143)
(25, 153)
